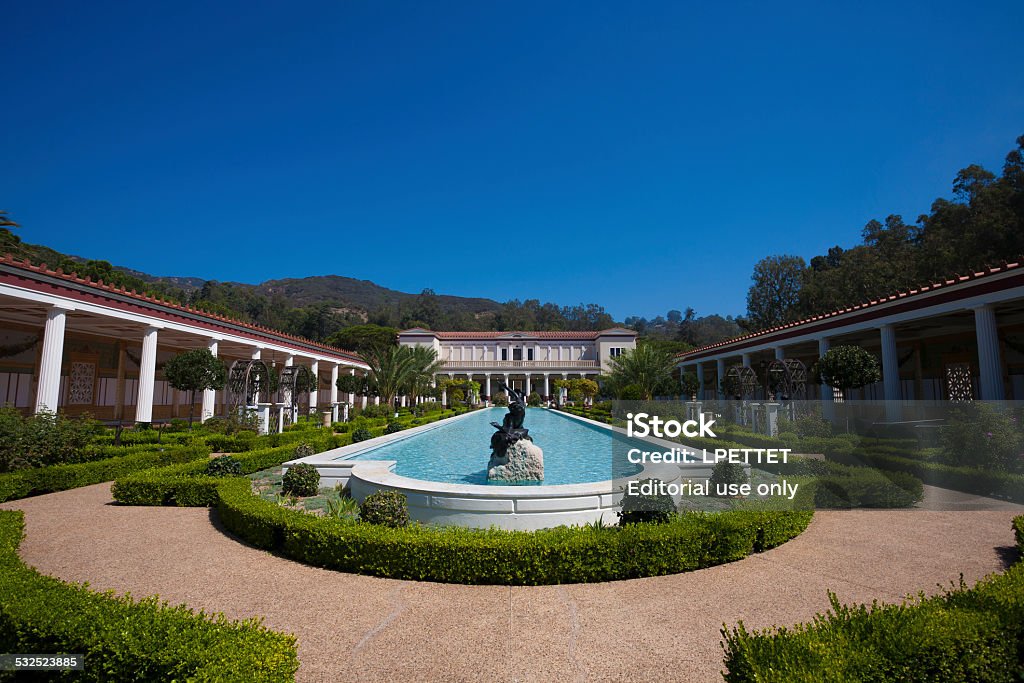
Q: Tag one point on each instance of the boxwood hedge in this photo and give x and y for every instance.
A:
(493, 556)
(40, 480)
(124, 639)
(188, 485)
(974, 634)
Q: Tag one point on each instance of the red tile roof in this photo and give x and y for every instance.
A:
(575, 334)
(917, 291)
(41, 269)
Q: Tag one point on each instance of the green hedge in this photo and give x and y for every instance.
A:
(187, 485)
(124, 639)
(967, 479)
(40, 480)
(471, 556)
(974, 634)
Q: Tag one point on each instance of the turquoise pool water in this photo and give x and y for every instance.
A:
(457, 452)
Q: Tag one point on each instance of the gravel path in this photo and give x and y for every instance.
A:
(358, 628)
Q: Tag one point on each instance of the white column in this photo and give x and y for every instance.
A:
(990, 362)
(147, 377)
(315, 368)
(352, 397)
(547, 387)
(257, 353)
(334, 392)
(488, 387)
(890, 364)
(780, 353)
(363, 402)
(48, 391)
(720, 375)
(209, 395)
(526, 384)
(746, 360)
(700, 381)
(826, 391)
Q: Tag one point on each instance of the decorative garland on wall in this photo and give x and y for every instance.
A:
(8, 350)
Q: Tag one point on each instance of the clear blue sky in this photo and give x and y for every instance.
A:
(638, 155)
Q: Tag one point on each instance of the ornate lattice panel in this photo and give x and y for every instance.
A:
(81, 383)
(959, 387)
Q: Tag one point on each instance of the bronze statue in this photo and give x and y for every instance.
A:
(511, 428)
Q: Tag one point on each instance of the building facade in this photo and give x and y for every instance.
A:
(959, 339)
(78, 346)
(525, 361)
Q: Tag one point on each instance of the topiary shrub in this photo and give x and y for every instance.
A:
(631, 392)
(393, 427)
(301, 480)
(725, 473)
(533, 399)
(387, 508)
(500, 399)
(304, 450)
(224, 466)
(361, 434)
(641, 508)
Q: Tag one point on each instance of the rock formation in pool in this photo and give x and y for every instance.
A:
(514, 456)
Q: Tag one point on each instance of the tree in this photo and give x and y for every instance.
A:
(773, 298)
(690, 384)
(646, 367)
(848, 367)
(193, 371)
(360, 338)
(391, 368)
(424, 365)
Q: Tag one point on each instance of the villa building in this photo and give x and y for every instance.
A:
(525, 361)
(959, 339)
(79, 346)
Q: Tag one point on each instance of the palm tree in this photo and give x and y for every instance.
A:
(647, 368)
(391, 368)
(424, 365)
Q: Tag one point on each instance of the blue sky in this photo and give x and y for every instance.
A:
(639, 155)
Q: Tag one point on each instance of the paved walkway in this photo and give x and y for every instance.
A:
(358, 628)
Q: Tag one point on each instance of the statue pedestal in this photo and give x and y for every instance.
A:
(523, 460)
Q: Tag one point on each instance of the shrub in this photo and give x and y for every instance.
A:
(983, 436)
(500, 399)
(962, 635)
(40, 480)
(127, 640)
(373, 411)
(42, 439)
(533, 399)
(642, 508)
(393, 427)
(631, 392)
(361, 434)
(244, 421)
(725, 473)
(304, 450)
(387, 508)
(224, 466)
(301, 480)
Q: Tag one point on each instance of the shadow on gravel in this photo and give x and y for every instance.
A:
(1008, 555)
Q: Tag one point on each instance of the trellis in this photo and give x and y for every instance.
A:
(294, 385)
(248, 383)
(740, 382)
(787, 380)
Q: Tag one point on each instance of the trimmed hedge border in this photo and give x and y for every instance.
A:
(471, 556)
(974, 634)
(39, 480)
(124, 639)
(188, 485)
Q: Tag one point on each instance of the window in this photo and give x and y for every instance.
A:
(615, 351)
(529, 354)
(504, 354)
